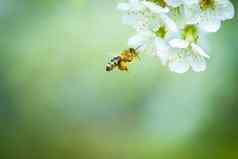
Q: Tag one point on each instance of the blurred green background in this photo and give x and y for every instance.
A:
(57, 101)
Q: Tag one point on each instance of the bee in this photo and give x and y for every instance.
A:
(121, 61)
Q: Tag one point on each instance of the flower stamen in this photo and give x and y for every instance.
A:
(161, 32)
(161, 3)
(190, 33)
(206, 4)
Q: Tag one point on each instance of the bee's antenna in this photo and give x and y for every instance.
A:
(138, 47)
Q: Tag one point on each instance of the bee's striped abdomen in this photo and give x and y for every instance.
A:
(113, 63)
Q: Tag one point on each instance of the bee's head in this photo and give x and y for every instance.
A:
(136, 53)
(133, 51)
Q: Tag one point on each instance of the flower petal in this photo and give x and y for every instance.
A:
(179, 43)
(174, 3)
(178, 65)
(225, 10)
(198, 64)
(192, 13)
(155, 8)
(190, 2)
(134, 2)
(142, 39)
(162, 50)
(197, 49)
(135, 41)
(171, 25)
(209, 22)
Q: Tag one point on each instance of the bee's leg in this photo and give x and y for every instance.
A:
(126, 68)
(123, 66)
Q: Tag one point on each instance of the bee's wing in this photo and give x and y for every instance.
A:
(109, 56)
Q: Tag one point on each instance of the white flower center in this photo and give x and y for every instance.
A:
(161, 32)
(190, 33)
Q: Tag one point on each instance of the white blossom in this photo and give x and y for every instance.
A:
(155, 40)
(133, 12)
(143, 15)
(171, 29)
(186, 55)
(153, 7)
(209, 13)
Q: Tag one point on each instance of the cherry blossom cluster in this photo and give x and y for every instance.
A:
(172, 29)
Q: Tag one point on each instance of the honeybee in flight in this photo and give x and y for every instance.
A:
(121, 61)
